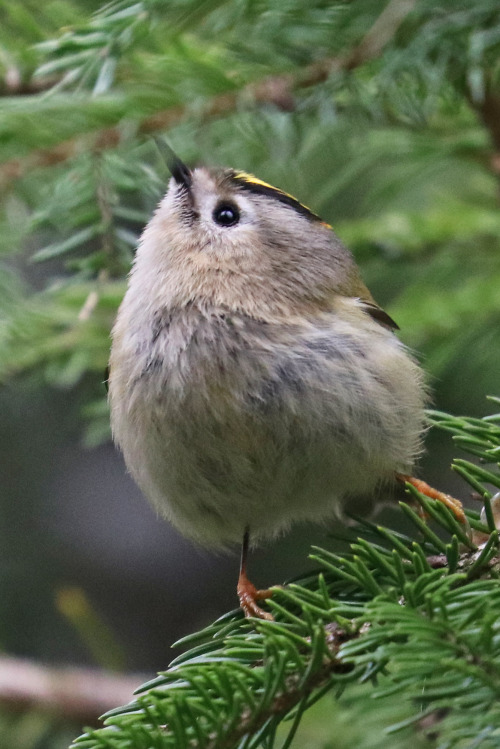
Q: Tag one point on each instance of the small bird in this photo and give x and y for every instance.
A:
(254, 382)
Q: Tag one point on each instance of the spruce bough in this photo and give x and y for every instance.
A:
(416, 617)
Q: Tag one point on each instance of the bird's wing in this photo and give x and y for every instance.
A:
(378, 314)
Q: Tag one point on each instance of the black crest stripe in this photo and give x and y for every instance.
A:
(257, 187)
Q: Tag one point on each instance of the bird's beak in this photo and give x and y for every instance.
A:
(179, 171)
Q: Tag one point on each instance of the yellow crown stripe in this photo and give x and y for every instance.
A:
(255, 180)
(246, 177)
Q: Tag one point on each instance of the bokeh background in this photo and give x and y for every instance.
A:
(382, 117)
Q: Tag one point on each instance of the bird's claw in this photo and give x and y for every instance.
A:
(454, 505)
(249, 595)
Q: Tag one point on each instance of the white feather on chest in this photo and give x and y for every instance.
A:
(226, 421)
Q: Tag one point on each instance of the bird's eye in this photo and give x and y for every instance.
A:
(226, 214)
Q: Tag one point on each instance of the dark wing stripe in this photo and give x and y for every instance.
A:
(380, 316)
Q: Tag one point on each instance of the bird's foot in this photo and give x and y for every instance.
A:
(249, 595)
(454, 505)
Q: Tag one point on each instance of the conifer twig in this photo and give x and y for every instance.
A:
(274, 89)
(422, 613)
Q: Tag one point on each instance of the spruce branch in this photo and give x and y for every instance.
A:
(415, 614)
(277, 90)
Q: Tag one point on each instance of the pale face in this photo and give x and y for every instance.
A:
(221, 222)
(225, 238)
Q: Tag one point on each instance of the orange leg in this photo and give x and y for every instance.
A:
(247, 592)
(450, 502)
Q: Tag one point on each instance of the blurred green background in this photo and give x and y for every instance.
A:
(382, 117)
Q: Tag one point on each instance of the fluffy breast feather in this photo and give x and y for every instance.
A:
(226, 420)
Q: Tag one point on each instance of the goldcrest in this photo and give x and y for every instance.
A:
(254, 382)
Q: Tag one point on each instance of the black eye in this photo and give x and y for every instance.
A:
(226, 214)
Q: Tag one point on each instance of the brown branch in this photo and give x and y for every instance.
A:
(276, 89)
(488, 110)
(77, 694)
(383, 30)
(13, 84)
